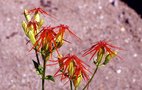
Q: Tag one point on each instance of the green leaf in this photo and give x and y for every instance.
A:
(38, 68)
(35, 64)
(50, 77)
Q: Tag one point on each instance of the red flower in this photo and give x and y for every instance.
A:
(39, 10)
(101, 44)
(46, 39)
(71, 67)
(62, 28)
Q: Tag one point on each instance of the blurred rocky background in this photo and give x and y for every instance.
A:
(92, 20)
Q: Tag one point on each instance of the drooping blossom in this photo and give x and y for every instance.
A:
(101, 45)
(64, 28)
(73, 68)
(46, 39)
(38, 10)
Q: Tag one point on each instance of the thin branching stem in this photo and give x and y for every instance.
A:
(44, 69)
(71, 85)
(37, 57)
(91, 77)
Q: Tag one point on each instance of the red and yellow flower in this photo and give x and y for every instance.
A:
(102, 48)
(73, 68)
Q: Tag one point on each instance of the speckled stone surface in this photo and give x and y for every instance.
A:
(91, 20)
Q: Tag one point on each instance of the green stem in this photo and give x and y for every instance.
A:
(44, 69)
(91, 77)
(71, 85)
(37, 57)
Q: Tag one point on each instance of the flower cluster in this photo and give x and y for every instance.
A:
(46, 39)
(32, 25)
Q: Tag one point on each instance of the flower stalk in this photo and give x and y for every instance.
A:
(95, 71)
(37, 57)
(44, 70)
(71, 87)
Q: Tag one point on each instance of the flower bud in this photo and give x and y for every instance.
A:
(31, 36)
(37, 17)
(24, 25)
(77, 81)
(109, 57)
(100, 56)
(27, 15)
(59, 40)
(29, 31)
(71, 69)
(40, 23)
